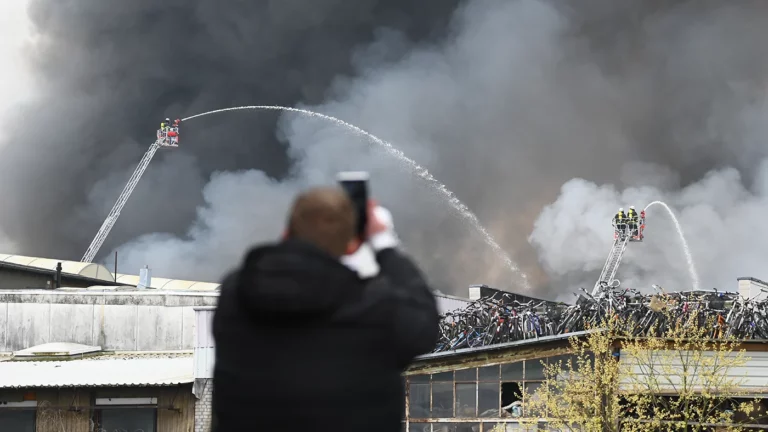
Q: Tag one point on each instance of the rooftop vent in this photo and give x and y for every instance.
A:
(56, 349)
(145, 278)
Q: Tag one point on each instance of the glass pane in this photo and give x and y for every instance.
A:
(530, 394)
(466, 400)
(443, 427)
(512, 371)
(534, 370)
(442, 399)
(488, 373)
(421, 427)
(442, 376)
(466, 375)
(488, 399)
(563, 359)
(419, 378)
(17, 420)
(129, 419)
(419, 403)
(468, 427)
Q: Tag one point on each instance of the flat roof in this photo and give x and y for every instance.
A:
(501, 346)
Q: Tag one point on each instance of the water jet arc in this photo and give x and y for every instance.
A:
(417, 169)
(686, 250)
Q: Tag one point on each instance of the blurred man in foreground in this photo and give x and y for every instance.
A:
(303, 343)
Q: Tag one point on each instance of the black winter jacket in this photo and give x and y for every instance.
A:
(302, 343)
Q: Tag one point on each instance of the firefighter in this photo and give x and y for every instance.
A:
(633, 219)
(620, 222)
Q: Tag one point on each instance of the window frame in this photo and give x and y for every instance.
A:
(101, 404)
(22, 406)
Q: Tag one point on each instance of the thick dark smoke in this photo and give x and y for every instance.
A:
(508, 102)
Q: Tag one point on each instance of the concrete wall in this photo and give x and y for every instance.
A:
(752, 288)
(446, 303)
(122, 321)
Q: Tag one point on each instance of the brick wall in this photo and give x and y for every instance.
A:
(203, 405)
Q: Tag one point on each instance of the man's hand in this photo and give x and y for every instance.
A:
(375, 223)
(381, 229)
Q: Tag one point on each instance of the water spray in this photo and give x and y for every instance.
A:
(417, 169)
(686, 250)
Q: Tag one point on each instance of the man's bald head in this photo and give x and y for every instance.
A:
(324, 217)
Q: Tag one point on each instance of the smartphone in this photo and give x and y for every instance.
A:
(355, 183)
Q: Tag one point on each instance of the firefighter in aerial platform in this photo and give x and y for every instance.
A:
(162, 133)
(173, 133)
(633, 219)
(620, 223)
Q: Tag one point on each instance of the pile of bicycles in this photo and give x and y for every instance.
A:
(492, 321)
(489, 321)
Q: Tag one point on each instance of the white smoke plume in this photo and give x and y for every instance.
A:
(722, 220)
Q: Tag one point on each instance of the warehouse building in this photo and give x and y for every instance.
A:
(109, 353)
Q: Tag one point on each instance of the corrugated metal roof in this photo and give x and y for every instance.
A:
(91, 270)
(100, 272)
(97, 372)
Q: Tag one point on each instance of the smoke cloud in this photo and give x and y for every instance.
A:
(543, 118)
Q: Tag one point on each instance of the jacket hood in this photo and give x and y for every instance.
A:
(294, 277)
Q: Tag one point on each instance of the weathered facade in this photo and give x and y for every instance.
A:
(149, 409)
(467, 390)
(101, 358)
(77, 388)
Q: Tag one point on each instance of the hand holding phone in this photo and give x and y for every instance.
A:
(355, 183)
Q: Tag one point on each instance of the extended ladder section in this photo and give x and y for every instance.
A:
(111, 219)
(613, 262)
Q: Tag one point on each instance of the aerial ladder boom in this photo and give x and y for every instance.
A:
(111, 219)
(623, 234)
(612, 263)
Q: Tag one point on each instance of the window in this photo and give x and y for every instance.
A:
(485, 392)
(488, 399)
(524, 375)
(134, 414)
(419, 399)
(464, 393)
(442, 399)
(18, 416)
(466, 400)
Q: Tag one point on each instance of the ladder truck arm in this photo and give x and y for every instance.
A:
(607, 276)
(111, 219)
